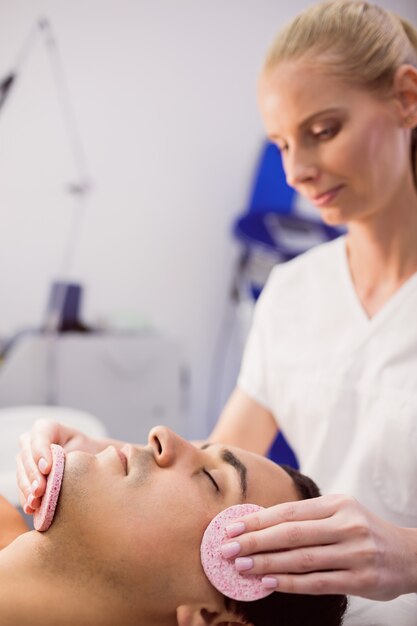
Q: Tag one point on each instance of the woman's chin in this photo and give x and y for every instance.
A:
(332, 216)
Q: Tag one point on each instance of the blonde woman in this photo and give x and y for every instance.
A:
(332, 355)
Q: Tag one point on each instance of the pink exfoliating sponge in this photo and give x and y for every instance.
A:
(44, 516)
(221, 572)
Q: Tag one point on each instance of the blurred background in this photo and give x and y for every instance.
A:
(129, 142)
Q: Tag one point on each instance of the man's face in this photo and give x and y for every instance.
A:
(148, 518)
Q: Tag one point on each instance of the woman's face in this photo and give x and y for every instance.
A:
(343, 148)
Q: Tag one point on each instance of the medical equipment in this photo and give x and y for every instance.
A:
(79, 189)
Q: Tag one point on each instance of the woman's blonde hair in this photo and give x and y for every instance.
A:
(357, 41)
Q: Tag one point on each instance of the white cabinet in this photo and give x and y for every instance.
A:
(130, 381)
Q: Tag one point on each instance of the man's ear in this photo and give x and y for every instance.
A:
(196, 616)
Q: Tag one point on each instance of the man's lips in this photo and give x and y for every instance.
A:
(124, 460)
(138, 460)
(326, 197)
(130, 455)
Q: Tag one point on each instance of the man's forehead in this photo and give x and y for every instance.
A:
(269, 481)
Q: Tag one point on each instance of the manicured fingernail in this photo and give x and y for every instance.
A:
(233, 530)
(243, 563)
(42, 465)
(269, 583)
(27, 509)
(230, 549)
(34, 486)
(31, 498)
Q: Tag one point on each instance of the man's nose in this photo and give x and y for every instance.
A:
(167, 446)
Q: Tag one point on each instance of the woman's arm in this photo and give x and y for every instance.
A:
(246, 424)
(12, 523)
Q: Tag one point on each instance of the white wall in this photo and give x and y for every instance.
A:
(164, 96)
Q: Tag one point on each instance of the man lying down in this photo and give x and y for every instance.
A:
(124, 547)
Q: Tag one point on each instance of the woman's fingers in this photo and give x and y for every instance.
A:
(342, 548)
(335, 582)
(34, 462)
(43, 433)
(31, 481)
(22, 480)
(284, 536)
(300, 510)
(300, 561)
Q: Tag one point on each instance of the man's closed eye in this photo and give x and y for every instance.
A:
(210, 477)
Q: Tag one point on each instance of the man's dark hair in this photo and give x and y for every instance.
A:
(287, 609)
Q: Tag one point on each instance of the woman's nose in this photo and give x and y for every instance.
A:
(299, 168)
(168, 446)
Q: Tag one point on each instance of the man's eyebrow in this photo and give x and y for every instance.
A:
(227, 456)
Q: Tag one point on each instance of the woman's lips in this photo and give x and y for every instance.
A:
(327, 197)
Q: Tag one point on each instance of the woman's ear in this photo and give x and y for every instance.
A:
(405, 87)
(196, 616)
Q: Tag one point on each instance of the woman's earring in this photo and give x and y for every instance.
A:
(411, 121)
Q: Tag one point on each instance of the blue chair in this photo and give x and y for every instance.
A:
(271, 231)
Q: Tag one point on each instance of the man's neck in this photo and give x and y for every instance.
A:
(38, 587)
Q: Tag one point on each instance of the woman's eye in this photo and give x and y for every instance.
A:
(324, 133)
(210, 477)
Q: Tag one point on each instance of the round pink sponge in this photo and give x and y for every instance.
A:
(44, 516)
(221, 572)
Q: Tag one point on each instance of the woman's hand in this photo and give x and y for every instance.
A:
(326, 545)
(34, 458)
